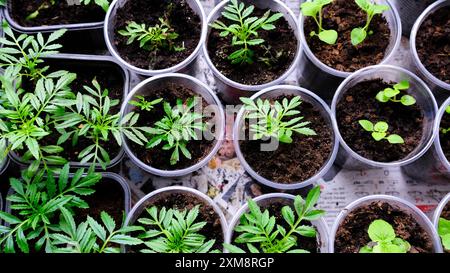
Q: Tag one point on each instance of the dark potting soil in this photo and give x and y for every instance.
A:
(445, 138)
(157, 157)
(343, 16)
(274, 207)
(446, 212)
(433, 44)
(352, 235)
(60, 13)
(181, 18)
(359, 103)
(295, 162)
(279, 42)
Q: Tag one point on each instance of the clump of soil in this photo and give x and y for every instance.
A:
(343, 16)
(445, 138)
(181, 18)
(433, 44)
(359, 103)
(352, 235)
(295, 162)
(157, 157)
(446, 212)
(61, 13)
(279, 42)
(274, 207)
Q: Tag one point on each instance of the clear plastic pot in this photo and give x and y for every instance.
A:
(409, 10)
(440, 88)
(91, 61)
(322, 79)
(109, 35)
(348, 158)
(307, 96)
(140, 206)
(396, 202)
(199, 88)
(229, 90)
(439, 209)
(320, 225)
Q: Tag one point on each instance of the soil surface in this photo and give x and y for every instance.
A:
(295, 162)
(352, 235)
(279, 42)
(181, 18)
(445, 138)
(274, 207)
(359, 103)
(343, 16)
(157, 157)
(433, 44)
(58, 14)
(446, 212)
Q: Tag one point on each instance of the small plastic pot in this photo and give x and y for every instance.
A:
(140, 206)
(440, 88)
(409, 10)
(307, 96)
(320, 225)
(401, 204)
(4, 165)
(229, 90)
(322, 79)
(92, 61)
(348, 158)
(183, 66)
(199, 88)
(438, 212)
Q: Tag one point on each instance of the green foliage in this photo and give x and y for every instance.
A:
(445, 131)
(390, 94)
(177, 128)
(271, 121)
(358, 35)
(104, 4)
(380, 131)
(260, 228)
(314, 9)
(145, 105)
(384, 239)
(173, 231)
(244, 31)
(444, 232)
(37, 201)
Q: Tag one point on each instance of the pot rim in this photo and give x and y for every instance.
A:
(246, 87)
(439, 209)
(325, 168)
(437, 141)
(146, 72)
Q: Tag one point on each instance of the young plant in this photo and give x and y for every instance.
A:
(380, 131)
(104, 4)
(89, 115)
(37, 201)
(314, 9)
(177, 128)
(445, 131)
(358, 35)
(244, 30)
(145, 105)
(444, 232)
(276, 120)
(390, 94)
(260, 232)
(384, 239)
(173, 231)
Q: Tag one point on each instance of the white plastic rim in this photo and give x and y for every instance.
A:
(219, 134)
(439, 209)
(245, 87)
(431, 9)
(137, 210)
(108, 28)
(342, 74)
(360, 158)
(312, 99)
(437, 140)
(320, 224)
(401, 204)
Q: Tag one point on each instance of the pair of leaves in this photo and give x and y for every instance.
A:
(444, 232)
(358, 35)
(314, 9)
(390, 94)
(380, 131)
(384, 239)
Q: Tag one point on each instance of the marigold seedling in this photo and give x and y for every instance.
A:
(380, 131)
(145, 105)
(384, 239)
(260, 232)
(358, 35)
(390, 94)
(314, 9)
(276, 120)
(444, 232)
(245, 30)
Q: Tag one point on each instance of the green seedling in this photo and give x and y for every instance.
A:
(314, 9)
(445, 131)
(104, 4)
(390, 94)
(380, 131)
(384, 239)
(358, 35)
(444, 232)
(145, 105)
